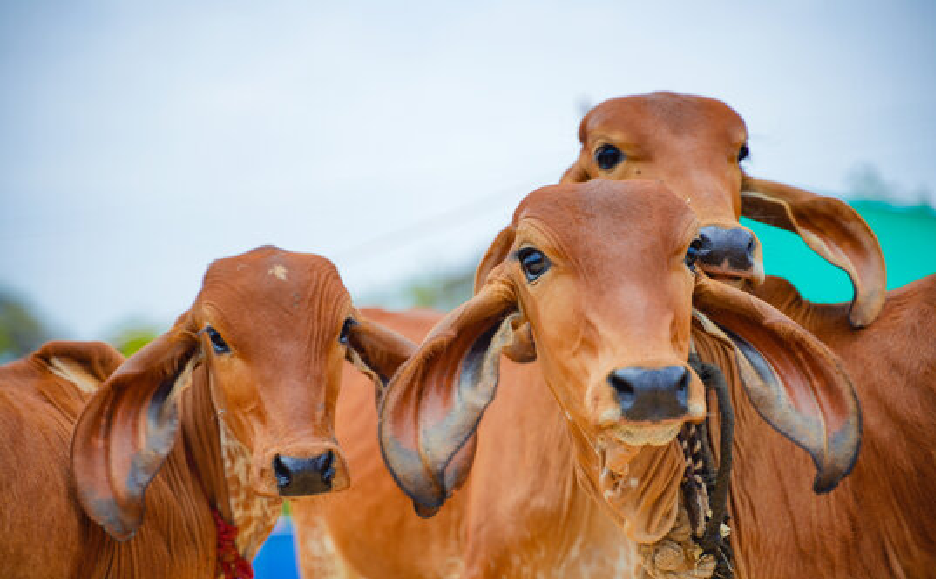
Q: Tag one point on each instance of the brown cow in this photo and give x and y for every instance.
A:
(696, 145)
(575, 460)
(205, 429)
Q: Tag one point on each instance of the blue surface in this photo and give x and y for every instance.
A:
(277, 557)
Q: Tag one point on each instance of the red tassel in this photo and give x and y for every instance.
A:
(231, 564)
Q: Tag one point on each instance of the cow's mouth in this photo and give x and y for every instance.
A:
(643, 434)
(739, 279)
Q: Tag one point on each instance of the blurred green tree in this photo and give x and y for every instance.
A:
(21, 329)
(131, 335)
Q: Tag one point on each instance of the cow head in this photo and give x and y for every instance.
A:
(696, 145)
(596, 281)
(266, 336)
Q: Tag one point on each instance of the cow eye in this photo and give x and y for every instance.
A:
(217, 342)
(698, 245)
(743, 153)
(533, 262)
(607, 156)
(346, 330)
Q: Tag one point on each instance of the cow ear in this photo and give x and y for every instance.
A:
(375, 350)
(829, 227)
(522, 349)
(793, 380)
(494, 256)
(433, 404)
(128, 428)
(575, 174)
(85, 364)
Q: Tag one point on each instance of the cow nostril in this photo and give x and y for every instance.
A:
(326, 466)
(682, 388)
(281, 472)
(625, 389)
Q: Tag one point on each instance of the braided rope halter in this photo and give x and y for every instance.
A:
(698, 547)
(230, 563)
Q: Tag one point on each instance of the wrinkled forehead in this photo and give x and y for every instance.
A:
(269, 285)
(645, 118)
(600, 219)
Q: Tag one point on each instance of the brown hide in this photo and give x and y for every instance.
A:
(541, 497)
(881, 520)
(521, 510)
(39, 402)
(181, 427)
(695, 145)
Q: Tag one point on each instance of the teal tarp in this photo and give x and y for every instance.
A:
(907, 236)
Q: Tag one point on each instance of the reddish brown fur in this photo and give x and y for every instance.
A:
(881, 520)
(537, 500)
(692, 144)
(523, 510)
(281, 314)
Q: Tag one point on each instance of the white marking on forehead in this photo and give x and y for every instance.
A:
(279, 270)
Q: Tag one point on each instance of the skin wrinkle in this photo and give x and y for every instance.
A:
(531, 525)
(694, 145)
(206, 465)
(493, 518)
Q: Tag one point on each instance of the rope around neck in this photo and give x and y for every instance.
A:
(230, 563)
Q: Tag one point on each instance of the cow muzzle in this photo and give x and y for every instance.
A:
(651, 395)
(304, 476)
(295, 472)
(730, 253)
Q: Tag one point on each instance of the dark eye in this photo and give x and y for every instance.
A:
(345, 330)
(533, 262)
(607, 156)
(217, 342)
(697, 247)
(743, 153)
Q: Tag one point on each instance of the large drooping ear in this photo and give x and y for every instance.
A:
(832, 229)
(376, 351)
(523, 348)
(128, 428)
(792, 379)
(433, 404)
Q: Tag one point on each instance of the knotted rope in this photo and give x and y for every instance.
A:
(231, 564)
(697, 546)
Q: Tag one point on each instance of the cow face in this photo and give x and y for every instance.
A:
(609, 318)
(594, 284)
(597, 282)
(266, 336)
(696, 146)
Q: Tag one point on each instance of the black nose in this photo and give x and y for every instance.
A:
(652, 394)
(304, 476)
(727, 248)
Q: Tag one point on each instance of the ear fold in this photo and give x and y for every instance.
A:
(128, 428)
(85, 364)
(793, 380)
(523, 349)
(575, 174)
(494, 256)
(433, 405)
(832, 229)
(377, 351)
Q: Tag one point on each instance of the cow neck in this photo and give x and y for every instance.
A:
(635, 493)
(222, 464)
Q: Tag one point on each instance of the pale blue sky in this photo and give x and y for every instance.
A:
(139, 141)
